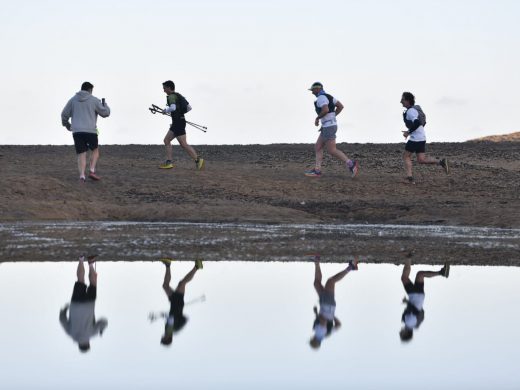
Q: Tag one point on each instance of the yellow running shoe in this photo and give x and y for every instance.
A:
(200, 164)
(167, 165)
(167, 261)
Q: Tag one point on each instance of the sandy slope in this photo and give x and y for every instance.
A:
(264, 184)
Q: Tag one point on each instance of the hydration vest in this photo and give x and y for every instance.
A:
(422, 115)
(331, 105)
(181, 105)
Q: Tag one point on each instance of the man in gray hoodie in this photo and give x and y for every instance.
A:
(81, 324)
(84, 108)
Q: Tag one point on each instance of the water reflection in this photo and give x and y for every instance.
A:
(413, 314)
(175, 319)
(81, 324)
(325, 318)
(254, 331)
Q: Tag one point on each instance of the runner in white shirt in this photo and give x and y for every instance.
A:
(326, 319)
(327, 108)
(413, 315)
(415, 120)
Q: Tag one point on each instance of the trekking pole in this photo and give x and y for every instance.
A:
(198, 127)
(156, 109)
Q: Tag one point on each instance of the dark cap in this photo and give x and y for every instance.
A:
(317, 84)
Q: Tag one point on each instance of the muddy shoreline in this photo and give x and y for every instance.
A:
(115, 241)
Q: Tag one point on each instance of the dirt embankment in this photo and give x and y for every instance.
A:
(255, 183)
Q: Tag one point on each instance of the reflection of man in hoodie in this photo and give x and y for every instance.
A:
(84, 108)
(413, 315)
(81, 324)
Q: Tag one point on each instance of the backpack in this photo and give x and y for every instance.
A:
(422, 115)
(182, 104)
(331, 105)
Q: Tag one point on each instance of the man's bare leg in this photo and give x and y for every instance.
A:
(405, 277)
(80, 271)
(317, 277)
(422, 158)
(333, 151)
(181, 287)
(426, 274)
(184, 143)
(94, 157)
(92, 275)
(82, 164)
(168, 138)
(318, 148)
(331, 282)
(407, 158)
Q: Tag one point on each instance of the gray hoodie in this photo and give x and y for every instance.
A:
(81, 324)
(83, 108)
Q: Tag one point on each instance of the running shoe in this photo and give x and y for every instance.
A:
(313, 173)
(353, 265)
(91, 259)
(93, 176)
(354, 168)
(313, 256)
(198, 264)
(82, 180)
(200, 164)
(444, 164)
(445, 271)
(167, 165)
(410, 180)
(166, 261)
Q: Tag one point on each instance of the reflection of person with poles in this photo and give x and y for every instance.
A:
(177, 106)
(413, 315)
(81, 324)
(326, 320)
(175, 319)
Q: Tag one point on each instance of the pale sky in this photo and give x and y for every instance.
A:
(245, 67)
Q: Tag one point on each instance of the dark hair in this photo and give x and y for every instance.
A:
(169, 84)
(408, 96)
(406, 334)
(84, 347)
(86, 86)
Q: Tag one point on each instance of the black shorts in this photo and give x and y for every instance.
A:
(82, 293)
(178, 128)
(85, 141)
(415, 147)
(414, 288)
(176, 304)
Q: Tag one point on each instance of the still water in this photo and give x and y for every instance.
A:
(249, 325)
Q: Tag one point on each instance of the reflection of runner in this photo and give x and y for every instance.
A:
(176, 319)
(81, 324)
(413, 315)
(326, 320)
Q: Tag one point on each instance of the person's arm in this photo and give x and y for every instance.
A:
(337, 323)
(66, 114)
(100, 326)
(102, 109)
(324, 111)
(63, 318)
(411, 120)
(171, 108)
(339, 108)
